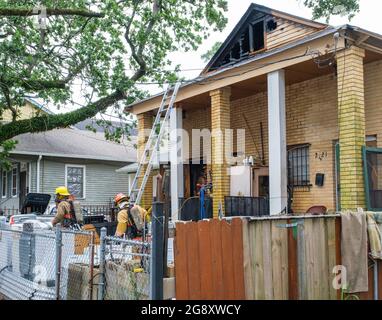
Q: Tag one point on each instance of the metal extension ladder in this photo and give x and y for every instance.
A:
(152, 145)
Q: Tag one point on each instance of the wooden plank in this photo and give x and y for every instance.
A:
(322, 254)
(204, 236)
(292, 264)
(267, 260)
(193, 261)
(369, 294)
(309, 259)
(238, 258)
(247, 260)
(338, 249)
(181, 266)
(276, 260)
(258, 261)
(284, 262)
(228, 274)
(331, 249)
(216, 255)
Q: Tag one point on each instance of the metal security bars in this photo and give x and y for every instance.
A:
(298, 166)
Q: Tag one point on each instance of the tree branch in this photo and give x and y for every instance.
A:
(137, 53)
(50, 12)
(49, 122)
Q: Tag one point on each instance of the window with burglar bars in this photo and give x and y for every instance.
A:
(75, 180)
(298, 166)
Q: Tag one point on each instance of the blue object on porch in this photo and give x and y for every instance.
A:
(202, 207)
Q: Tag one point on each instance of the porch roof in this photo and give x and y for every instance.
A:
(285, 56)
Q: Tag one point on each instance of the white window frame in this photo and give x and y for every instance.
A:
(4, 195)
(84, 182)
(17, 182)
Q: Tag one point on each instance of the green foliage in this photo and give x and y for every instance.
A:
(6, 147)
(210, 53)
(101, 57)
(327, 8)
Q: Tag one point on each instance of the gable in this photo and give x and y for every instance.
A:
(261, 29)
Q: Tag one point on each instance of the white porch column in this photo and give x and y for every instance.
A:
(176, 160)
(277, 143)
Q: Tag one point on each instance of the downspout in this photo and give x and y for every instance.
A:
(38, 174)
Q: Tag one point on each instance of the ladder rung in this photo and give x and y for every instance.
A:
(153, 142)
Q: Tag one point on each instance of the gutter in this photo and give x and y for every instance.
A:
(73, 156)
(38, 174)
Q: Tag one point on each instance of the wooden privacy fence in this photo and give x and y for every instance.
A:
(260, 259)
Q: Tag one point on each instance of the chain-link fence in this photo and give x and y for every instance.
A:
(125, 269)
(75, 257)
(72, 265)
(27, 264)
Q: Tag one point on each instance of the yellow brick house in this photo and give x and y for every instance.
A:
(309, 97)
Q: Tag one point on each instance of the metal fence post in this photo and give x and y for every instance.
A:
(58, 259)
(102, 248)
(91, 266)
(157, 263)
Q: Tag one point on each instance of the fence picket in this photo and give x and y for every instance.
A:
(206, 286)
(227, 260)
(238, 259)
(181, 270)
(217, 267)
(193, 260)
(247, 259)
(267, 260)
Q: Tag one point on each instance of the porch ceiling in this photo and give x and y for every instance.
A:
(294, 74)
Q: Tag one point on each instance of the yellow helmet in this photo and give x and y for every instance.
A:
(63, 191)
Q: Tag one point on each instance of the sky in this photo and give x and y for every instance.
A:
(368, 18)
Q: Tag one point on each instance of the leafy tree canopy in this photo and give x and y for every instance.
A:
(327, 8)
(97, 49)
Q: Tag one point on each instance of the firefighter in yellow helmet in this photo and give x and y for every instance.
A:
(130, 220)
(65, 210)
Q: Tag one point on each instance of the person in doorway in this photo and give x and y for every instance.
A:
(130, 220)
(65, 210)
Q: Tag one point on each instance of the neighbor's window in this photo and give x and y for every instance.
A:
(4, 184)
(75, 180)
(14, 182)
(298, 166)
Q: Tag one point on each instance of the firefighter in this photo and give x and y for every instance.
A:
(65, 209)
(130, 220)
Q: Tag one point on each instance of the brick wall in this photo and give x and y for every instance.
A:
(312, 117)
(351, 112)
(145, 122)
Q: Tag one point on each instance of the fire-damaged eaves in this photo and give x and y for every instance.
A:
(362, 38)
(248, 37)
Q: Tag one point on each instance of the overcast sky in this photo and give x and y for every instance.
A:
(368, 18)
